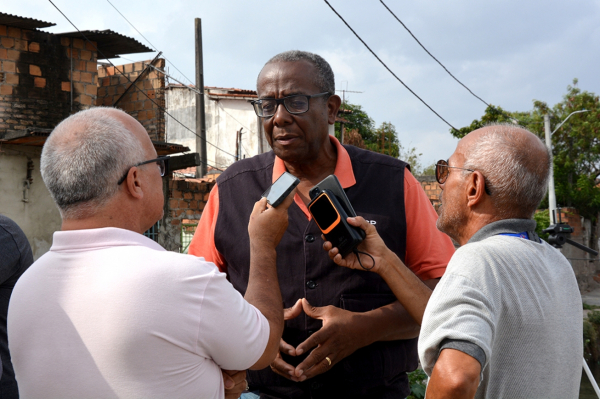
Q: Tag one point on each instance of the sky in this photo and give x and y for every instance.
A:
(507, 52)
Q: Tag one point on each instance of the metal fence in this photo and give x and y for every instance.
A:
(187, 232)
(152, 232)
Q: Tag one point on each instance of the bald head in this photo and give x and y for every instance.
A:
(515, 164)
(85, 156)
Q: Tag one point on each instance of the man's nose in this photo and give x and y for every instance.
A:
(282, 116)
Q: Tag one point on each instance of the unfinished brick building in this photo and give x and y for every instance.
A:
(45, 77)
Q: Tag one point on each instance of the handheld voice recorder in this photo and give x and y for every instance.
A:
(330, 217)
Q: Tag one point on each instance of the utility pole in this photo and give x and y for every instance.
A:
(342, 127)
(551, 193)
(200, 117)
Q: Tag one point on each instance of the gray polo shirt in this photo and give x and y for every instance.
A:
(514, 305)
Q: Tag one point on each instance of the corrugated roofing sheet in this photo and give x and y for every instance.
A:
(22, 22)
(110, 43)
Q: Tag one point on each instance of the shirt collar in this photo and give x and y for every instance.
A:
(92, 239)
(343, 167)
(503, 226)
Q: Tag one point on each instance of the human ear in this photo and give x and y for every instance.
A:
(333, 105)
(475, 188)
(133, 183)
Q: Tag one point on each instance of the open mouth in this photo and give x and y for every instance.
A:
(286, 140)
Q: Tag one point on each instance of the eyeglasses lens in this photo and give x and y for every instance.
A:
(296, 104)
(441, 171)
(162, 166)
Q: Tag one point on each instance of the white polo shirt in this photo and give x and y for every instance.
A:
(108, 313)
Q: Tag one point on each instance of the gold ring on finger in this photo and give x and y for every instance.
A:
(328, 360)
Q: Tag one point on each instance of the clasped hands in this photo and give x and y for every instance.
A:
(340, 336)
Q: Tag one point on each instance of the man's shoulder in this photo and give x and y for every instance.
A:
(255, 164)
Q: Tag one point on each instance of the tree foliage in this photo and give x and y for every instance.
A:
(575, 146)
(360, 131)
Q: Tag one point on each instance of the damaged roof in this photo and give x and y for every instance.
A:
(23, 22)
(110, 44)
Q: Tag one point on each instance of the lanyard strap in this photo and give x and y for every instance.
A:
(522, 235)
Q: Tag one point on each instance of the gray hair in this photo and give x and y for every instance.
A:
(84, 158)
(324, 79)
(516, 173)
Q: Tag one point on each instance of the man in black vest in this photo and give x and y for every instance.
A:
(345, 334)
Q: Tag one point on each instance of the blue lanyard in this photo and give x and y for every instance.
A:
(523, 235)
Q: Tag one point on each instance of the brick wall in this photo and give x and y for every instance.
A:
(35, 70)
(185, 200)
(432, 189)
(116, 88)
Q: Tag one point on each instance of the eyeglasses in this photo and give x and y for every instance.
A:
(442, 172)
(296, 104)
(160, 161)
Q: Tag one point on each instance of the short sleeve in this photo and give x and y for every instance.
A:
(428, 250)
(458, 309)
(203, 242)
(232, 332)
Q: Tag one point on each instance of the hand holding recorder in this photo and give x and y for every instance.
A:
(412, 293)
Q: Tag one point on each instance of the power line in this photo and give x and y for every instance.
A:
(431, 55)
(129, 80)
(386, 67)
(153, 46)
(195, 90)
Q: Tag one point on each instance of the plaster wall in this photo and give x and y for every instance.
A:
(39, 217)
(224, 118)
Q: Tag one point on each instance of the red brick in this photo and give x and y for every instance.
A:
(128, 68)
(6, 90)
(151, 94)
(188, 196)
(148, 104)
(76, 76)
(110, 70)
(85, 99)
(120, 89)
(92, 90)
(39, 82)
(7, 42)
(78, 87)
(139, 66)
(35, 70)
(34, 47)
(189, 212)
(65, 41)
(27, 35)
(86, 77)
(201, 205)
(13, 55)
(138, 106)
(91, 46)
(101, 71)
(8, 66)
(65, 86)
(198, 196)
(72, 53)
(193, 205)
(176, 194)
(20, 45)
(175, 222)
(14, 32)
(11, 78)
(101, 91)
(86, 55)
(173, 204)
(2, 30)
(107, 101)
(78, 43)
(92, 66)
(3, 53)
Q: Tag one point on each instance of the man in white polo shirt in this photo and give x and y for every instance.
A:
(107, 312)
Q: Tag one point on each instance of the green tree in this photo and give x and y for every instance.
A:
(575, 146)
(383, 139)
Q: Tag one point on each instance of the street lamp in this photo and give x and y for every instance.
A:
(551, 193)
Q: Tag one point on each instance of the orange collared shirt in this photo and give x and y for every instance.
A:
(428, 250)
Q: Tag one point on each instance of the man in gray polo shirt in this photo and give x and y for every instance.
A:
(505, 321)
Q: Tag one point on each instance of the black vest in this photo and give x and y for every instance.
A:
(305, 271)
